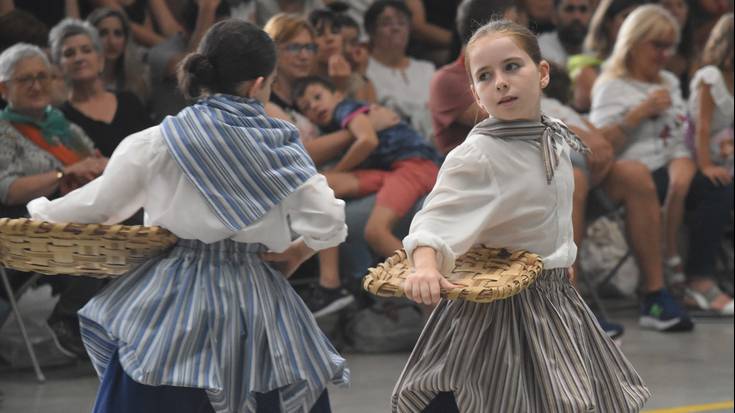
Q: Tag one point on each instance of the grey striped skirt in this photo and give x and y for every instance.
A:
(539, 351)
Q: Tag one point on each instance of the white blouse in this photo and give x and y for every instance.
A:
(493, 191)
(142, 173)
(722, 117)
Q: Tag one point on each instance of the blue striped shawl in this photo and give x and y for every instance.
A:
(241, 160)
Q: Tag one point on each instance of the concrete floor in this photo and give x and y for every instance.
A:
(686, 369)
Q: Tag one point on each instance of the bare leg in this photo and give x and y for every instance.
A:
(344, 184)
(579, 202)
(379, 231)
(329, 268)
(631, 183)
(681, 172)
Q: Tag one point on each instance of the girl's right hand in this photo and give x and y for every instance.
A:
(424, 286)
(717, 174)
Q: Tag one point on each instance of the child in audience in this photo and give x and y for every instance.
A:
(397, 163)
(508, 185)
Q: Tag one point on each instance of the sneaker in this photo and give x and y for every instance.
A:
(323, 301)
(67, 337)
(659, 311)
(613, 330)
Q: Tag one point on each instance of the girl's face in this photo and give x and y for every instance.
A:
(505, 81)
(679, 8)
(649, 56)
(392, 29)
(112, 36)
(296, 56)
(329, 40)
(79, 59)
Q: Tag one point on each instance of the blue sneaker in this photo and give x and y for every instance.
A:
(661, 312)
(613, 330)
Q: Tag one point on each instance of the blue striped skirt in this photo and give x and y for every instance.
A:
(215, 317)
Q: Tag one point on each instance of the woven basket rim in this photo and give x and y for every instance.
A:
(488, 274)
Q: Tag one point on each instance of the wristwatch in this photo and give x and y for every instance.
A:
(59, 173)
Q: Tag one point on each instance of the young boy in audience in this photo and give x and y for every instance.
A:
(397, 163)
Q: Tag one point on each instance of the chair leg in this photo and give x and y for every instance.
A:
(31, 352)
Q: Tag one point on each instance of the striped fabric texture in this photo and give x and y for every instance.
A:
(537, 352)
(549, 133)
(216, 317)
(241, 160)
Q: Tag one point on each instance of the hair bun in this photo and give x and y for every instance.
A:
(195, 73)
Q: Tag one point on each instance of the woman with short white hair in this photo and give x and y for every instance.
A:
(639, 107)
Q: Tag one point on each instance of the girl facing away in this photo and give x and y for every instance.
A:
(210, 325)
(508, 185)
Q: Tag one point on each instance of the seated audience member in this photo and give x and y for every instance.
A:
(151, 21)
(330, 58)
(125, 69)
(359, 86)
(433, 36)
(572, 18)
(43, 154)
(264, 10)
(396, 163)
(400, 81)
(295, 45)
(601, 35)
(540, 15)
(711, 111)
(163, 58)
(639, 108)
(106, 117)
(453, 108)
(683, 61)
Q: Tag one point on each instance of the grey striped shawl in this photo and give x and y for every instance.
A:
(548, 133)
(241, 160)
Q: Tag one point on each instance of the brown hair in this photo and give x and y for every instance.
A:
(284, 26)
(523, 37)
(719, 46)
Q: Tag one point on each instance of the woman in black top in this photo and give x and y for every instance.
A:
(106, 117)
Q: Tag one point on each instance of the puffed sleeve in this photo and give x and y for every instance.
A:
(712, 76)
(458, 209)
(610, 103)
(316, 214)
(112, 197)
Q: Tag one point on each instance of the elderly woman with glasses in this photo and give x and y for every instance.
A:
(43, 154)
(639, 107)
(105, 116)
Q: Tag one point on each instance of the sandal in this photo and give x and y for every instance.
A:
(674, 273)
(704, 300)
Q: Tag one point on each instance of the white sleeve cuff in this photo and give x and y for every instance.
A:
(444, 255)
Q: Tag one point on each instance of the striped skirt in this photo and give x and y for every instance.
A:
(216, 317)
(539, 351)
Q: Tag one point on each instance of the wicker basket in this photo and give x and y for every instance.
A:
(78, 249)
(487, 274)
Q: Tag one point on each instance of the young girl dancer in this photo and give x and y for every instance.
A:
(508, 185)
(210, 326)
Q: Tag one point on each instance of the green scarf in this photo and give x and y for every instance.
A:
(54, 126)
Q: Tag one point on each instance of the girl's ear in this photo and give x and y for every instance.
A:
(255, 87)
(477, 98)
(544, 77)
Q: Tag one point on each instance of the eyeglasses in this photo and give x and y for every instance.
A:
(296, 48)
(43, 79)
(570, 8)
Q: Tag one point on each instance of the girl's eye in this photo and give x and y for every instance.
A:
(512, 66)
(483, 76)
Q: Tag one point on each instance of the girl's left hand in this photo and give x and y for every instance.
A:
(425, 286)
(288, 261)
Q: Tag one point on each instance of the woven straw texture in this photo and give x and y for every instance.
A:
(78, 249)
(486, 274)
